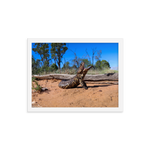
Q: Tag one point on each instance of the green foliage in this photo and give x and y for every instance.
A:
(35, 66)
(105, 64)
(102, 64)
(33, 79)
(53, 67)
(87, 63)
(98, 65)
(38, 88)
(77, 61)
(42, 64)
(57, 52)
(43, 50)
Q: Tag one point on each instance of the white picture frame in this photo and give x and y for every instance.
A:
(121, 40)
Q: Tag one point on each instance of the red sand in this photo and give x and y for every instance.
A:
(97, 95)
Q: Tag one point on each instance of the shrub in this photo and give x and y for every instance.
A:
(53, 67)
(38, 88)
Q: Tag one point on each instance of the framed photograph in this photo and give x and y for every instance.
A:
(75, 75)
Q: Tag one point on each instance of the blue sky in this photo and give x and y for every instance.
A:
(109, 52)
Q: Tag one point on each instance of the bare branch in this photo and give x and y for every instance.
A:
(93, 53)
(88, 56)
(76, 59)
(99, 52)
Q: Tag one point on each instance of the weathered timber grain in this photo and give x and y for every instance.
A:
(95, 78)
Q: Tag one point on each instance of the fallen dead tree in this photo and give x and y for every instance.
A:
(102, 82)
(109, 78)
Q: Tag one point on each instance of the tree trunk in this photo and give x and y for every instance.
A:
(94, 78)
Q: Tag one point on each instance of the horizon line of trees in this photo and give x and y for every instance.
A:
(51, 59)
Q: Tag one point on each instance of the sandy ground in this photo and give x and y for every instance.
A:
(97, 95)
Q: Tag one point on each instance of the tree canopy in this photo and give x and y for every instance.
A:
(87, 63)
(43, 50)
(35, 66)
(57, 52)
(102, 64)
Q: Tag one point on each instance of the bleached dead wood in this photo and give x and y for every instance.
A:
(54, 76)
(102, 82)
(91, 78)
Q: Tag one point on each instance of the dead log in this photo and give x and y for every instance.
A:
(102, 77)
(90, 78)
(54, 76)
(102, 82)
